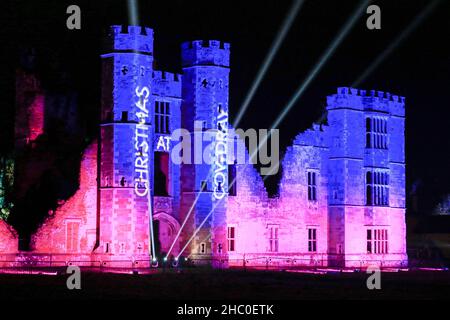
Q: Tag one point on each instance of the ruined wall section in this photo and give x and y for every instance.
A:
(274, 231)
(71, 229)
(8, 239)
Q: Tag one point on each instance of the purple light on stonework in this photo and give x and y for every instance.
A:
(341, 199)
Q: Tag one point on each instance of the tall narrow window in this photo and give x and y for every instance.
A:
(377, 188)
(162, 117)
(122, 248)
(231, 235)
(312, 186)
(273, 238)
(369, 241)
(139, 247)
(368, 133)
(376, 133)
(202, 248)
(203, 186)
(312, 240)
(72, 229)
(124, 116)
(232, 180)
(377, 241)
(385, 241)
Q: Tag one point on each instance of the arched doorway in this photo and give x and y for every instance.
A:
(166, 229)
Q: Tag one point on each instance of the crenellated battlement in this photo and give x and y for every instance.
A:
(342, 185)
(205, 52)
(201, 44)
(168, 76)
(373, 100)
(166, 84)
(131, 38)
(347, 91)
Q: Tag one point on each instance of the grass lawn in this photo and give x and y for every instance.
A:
(227, 284)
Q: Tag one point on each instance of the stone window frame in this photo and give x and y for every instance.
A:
(376, 132)
(312, 177)
(71, 221)
(202, 248)
(162, 117)
(232, 179)
(122, 248)
(107, 247)
(273, 236)
(376, 193)
(312, 238)
(204, 186)
(140, 247)
(231, 238)
(377, 240)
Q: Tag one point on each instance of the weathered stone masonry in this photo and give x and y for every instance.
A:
(342, 193)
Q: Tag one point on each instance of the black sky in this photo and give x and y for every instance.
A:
(418, 69)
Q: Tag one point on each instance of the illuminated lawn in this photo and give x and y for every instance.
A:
(228, 285)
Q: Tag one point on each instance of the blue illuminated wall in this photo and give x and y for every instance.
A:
(205, 90)
(352, 213)
(127, 67)
(342, 190)
(130, 141)
(366, 137)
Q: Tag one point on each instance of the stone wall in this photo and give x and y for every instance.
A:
(254, 215)
(75, 220)
(8, 238)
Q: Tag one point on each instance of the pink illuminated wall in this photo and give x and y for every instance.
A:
(255, 216)
(8, 238)
(30, 107)
(36, 117)
(72, 227)
(321, 216)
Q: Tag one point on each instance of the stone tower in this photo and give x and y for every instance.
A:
(205, 108)
(366, 178)
(125, 149)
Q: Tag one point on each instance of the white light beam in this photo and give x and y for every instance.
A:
(281, 35)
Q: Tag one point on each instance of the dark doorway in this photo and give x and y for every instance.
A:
(162, 180)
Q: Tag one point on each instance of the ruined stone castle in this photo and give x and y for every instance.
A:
(341, 196)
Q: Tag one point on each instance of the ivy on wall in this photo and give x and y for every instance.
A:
(6, 186)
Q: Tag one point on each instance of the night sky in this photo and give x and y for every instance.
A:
(418, 69)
